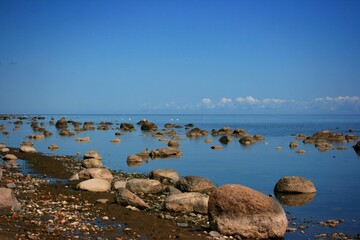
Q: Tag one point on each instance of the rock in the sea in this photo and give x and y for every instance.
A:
(92, 163)
(53, 147)
(125, 197)
(236, 209)
(94, 185)
(216, 147)
(137, 185)
(149, 126)
(93, 154)
(134, 158)
(61, 123)
(188, 202)
(101, 173)
(294, 184)
(357, 147)
(195, 184)
(165, 175)
(116, 140)
(10, 157)
(8, 201)
(225, 139)
(247, 140)
(27, 149)
(127, 127)
(165, 152)
(293, 144)
(173, 143)
(82, 139)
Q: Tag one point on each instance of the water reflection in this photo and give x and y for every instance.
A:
(295, 200)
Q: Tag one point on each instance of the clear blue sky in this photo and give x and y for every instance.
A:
(179, 56)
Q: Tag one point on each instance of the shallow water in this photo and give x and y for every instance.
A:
(335, 173)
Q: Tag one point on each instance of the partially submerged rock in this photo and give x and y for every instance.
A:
(165, 152)
(294, 184)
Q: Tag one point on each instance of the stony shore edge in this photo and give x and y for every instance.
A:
(54, 210)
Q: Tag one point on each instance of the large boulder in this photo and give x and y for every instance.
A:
(8, 201)
(92, 163)
(195, 184)
(125, 197)
(294, 184)
(165, 152)
(225, 139)
(27, 149)
(137, 185)
(95, 185)
(93, 154)
(236, 209)
(128, 127)
(101, 173)
(165, 175)
(188, 202)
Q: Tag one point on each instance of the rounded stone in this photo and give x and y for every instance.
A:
(294, 184)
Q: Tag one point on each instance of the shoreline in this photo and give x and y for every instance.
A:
(117, 222)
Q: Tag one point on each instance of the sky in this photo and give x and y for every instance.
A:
(203, 56)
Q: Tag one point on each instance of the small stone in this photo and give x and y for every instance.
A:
(105, 218)
(214, 234)
(184, 225)
(103, 201)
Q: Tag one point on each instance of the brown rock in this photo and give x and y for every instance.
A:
(236, 209)
(294, 184)
(8, 201)
(188, 202)
(125, 197)
(195, 184)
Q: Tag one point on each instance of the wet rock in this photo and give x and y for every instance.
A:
(149, 126)
(165, 175)
(247, 140)
(294, 184)
(225, 139)
(165, 152)
(137, 185)
(10, 157)
(61, 123)
(53, 147)
(236, 209)
(115, 140)
(188, 202)
(195, 184)
(91, 163)
(27, 149)
(95, 185)
(8, 201)
(216, 147)
(101, 173)
(127, 127)
(357, 147)
(92, 154)
(125, 197)
(293, 144)
(82, 139)
(173, 143)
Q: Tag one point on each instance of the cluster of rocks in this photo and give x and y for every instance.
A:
(323, 140)
(231, 209)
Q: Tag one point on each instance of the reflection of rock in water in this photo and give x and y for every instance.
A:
(133, 164)
(295, 200)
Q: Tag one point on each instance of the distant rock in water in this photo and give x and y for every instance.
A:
(294, 184)
(357, 147)
(61, 123)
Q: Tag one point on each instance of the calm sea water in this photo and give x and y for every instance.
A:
(335, 173)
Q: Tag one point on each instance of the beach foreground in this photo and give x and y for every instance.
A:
(55, 211)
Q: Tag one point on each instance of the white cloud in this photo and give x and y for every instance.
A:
(339, 99)
(273, 101)
(206, 101)
(225, 100)
(248, 99)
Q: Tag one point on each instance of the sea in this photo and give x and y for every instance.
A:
(335, 173)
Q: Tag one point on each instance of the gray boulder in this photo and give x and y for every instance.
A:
(125, 197)
(188, 202)
(195, 184)
(236, 209)
(137, 185)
